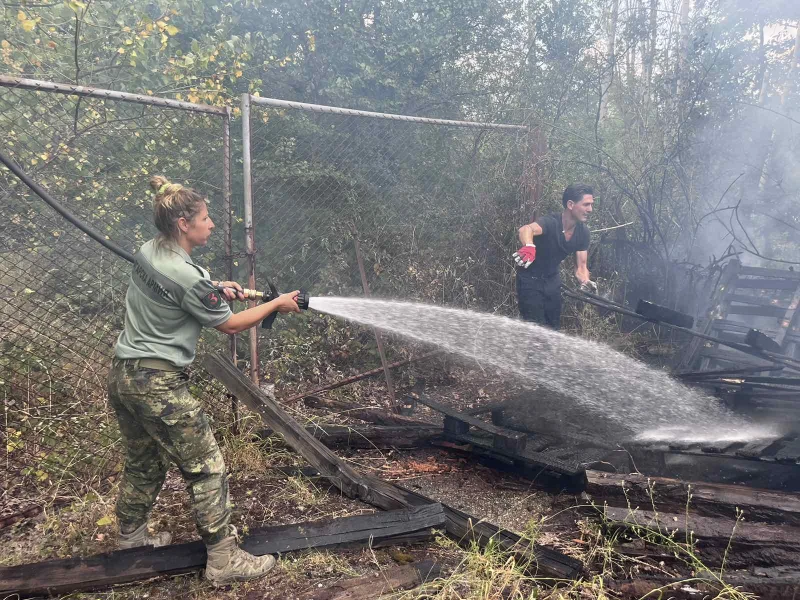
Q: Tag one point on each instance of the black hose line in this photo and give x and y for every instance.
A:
(39, 191)
(599, 301)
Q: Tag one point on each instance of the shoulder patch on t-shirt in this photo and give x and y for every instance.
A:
(212, 300)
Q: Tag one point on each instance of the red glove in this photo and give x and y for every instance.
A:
(525, 256)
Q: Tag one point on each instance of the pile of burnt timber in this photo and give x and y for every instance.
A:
(460, 526)
(769, 464)
(503, 446)
(746, 298)
(752, 535)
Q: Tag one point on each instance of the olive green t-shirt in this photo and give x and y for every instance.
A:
(169, 300)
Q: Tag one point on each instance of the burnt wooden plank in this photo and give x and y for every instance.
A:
(736, 357)
(754, 301)
(708, 499)
(126, 566)
(767, 284)
(706, 530)
(715, 557)
(779, 583)
(512, 439)
(377, 585)
(370, 436)
(775, 273)
(776, 312)
(755, 449)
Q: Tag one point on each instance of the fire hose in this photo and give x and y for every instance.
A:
(599, 301)
(265, 296)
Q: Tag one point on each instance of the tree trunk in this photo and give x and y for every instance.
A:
(610, 67)
(779, 133)
(683, 54)
(651, 55)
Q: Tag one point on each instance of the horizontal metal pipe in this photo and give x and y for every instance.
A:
(377, 115)
(90, 92)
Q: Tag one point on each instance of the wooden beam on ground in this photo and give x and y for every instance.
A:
(708, 499)
(378, 416)
(370, 436)
(713, 531)
(376, 585)
(742, 556)
(460, 526)
(488, 408)
(458, 423)
(126, 566)
(776, 584)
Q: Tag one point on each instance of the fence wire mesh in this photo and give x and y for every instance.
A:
(430, 203)
(63, 293)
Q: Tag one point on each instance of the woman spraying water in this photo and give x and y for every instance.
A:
(169, 300)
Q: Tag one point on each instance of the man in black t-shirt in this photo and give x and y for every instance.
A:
(557, 236)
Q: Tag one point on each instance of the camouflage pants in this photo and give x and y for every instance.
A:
(160, 422)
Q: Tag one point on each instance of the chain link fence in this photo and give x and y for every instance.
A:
(431, 203)
(63, 293)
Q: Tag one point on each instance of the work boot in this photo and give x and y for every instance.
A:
(228, 563)
(141, 537)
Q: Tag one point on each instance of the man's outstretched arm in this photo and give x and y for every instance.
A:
(527, 232)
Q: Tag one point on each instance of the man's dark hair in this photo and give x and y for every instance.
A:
(576, 192)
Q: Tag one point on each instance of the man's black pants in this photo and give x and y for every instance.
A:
(539, 299)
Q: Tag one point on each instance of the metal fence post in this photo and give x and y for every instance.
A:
(378, 338)
(250, 244)
(228, 231)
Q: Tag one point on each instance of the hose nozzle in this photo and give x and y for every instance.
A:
(303, 299)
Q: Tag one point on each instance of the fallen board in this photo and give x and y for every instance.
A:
(708, 499)
(370, 436)
(705, 530)
(125, 566)
(376, 585)
(773, 584)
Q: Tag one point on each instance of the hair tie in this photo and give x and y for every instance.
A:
(176, 187)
